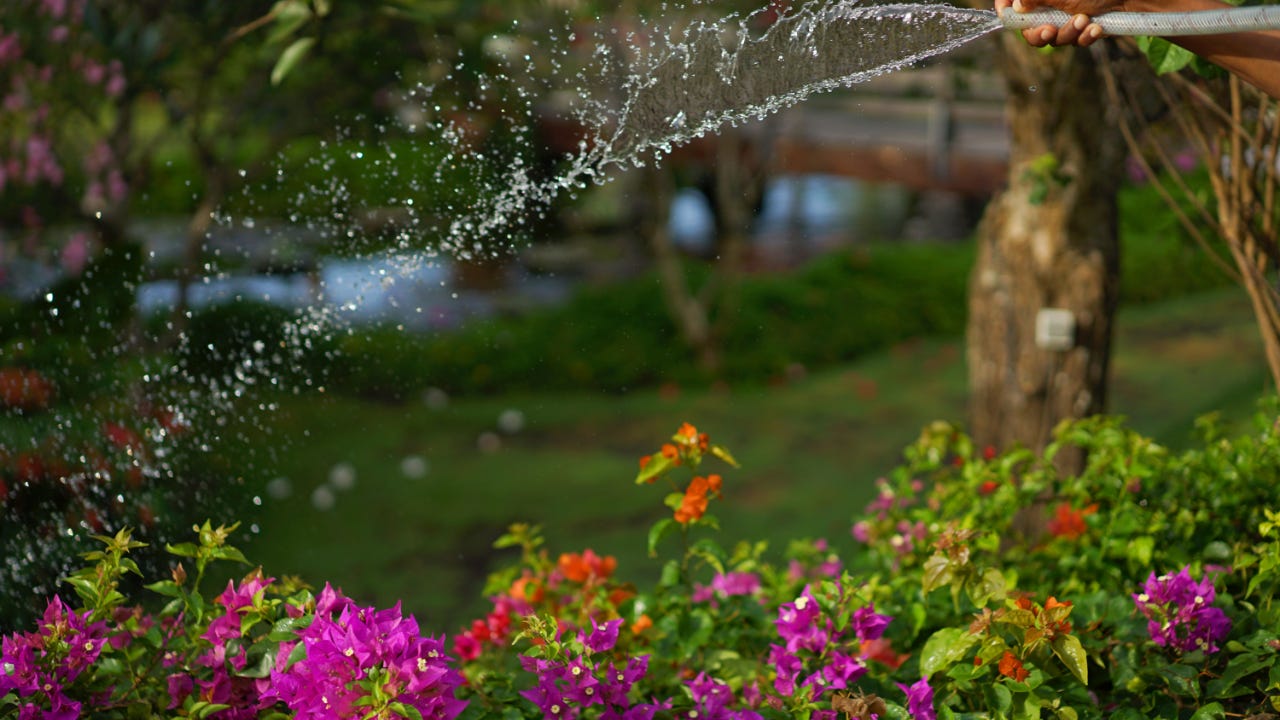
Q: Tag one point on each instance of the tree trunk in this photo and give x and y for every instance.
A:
(1048, 241)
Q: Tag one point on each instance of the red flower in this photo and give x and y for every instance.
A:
(881, 650)
(121, 436)
(1011, 666)
(1067, 522)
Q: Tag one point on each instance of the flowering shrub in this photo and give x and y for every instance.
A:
(987, 586)
(260, 648)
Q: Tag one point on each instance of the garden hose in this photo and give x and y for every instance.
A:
(1198, 22)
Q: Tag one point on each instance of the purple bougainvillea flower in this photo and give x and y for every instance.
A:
(736, 583)
(919, 699)
(798, 624)
(603, 637)
(842, 670)
(787, 666)
(869, 625)
(1179, 612)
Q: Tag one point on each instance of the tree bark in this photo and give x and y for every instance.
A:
(1048, 241)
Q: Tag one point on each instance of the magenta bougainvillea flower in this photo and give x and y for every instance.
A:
(38, 666)
(920, 699)
(1179, 612)
(812, 643)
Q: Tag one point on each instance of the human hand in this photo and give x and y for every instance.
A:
(1079, 30)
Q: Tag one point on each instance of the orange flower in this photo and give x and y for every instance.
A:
(1067, 522)
(1053, 602)
(694, 503)
(671, 452)
(586, 567)
(642, 623)
(527, 589)
(689, 437)
(692, 507)
(1011, 666)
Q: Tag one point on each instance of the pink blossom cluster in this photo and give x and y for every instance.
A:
(348, 649)
(568, 686)
(345, 660)
(814, 654)
(39, 666)
(1180, 613)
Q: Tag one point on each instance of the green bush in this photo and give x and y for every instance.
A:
(836, 309)
(1158, 259)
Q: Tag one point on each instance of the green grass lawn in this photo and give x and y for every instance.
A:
(810, 452)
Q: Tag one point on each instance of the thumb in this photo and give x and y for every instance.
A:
(1026, 5)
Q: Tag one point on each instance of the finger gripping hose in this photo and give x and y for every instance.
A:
(1164, 24)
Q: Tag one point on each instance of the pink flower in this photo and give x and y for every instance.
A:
(920, 700)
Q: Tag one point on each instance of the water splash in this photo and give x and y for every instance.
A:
(661, 86)
(717, 73)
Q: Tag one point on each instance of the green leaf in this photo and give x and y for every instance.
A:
(670, 576)
(938, 571)
(290, 57)
(205, 709)
(406, 711)
(185, 549)
(710, 551)
(944, 648)
(1140, 549)
(723, 455)
(1026, 706)
(660, 530)
(1164, 56)
(1181, 679)
(999, 697)
(167, 588)
(1211, 711)
(287, 628)
(290, 15)
(226, 552)
(658, 464)
(987, 586)
(298, 653)
(87, 591)
(259, 667)
(1072, 654)
(1241, 666)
